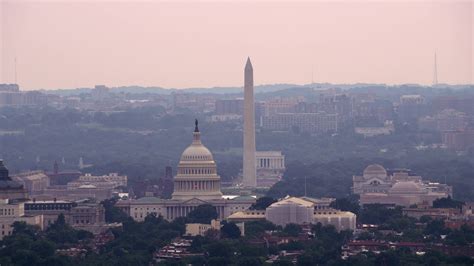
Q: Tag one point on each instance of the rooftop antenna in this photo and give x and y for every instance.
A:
(435, 72)
(16, 80)
(305, 186)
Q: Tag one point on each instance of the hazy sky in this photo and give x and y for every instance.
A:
(68, 44)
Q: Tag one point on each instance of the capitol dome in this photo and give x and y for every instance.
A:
(406, 187)
(197, 152)
(375, 170)
(197, 173)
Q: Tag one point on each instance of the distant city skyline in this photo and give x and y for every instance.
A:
(184, 44)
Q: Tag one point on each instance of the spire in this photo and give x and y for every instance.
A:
(248, 65)
(56, 167)
(435, 71)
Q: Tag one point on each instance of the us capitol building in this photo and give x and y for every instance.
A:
(196, 183)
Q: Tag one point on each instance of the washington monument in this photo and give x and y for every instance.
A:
(250, 171)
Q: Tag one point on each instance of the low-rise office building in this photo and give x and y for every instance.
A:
(35, 182)
(11, 212)
(76, 213)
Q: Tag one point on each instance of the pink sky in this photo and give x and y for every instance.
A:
(68, 44)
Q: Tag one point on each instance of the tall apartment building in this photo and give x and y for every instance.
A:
(10, 95)
(313, 123)
(229, 106)
(446, 120)
(458, 140)
(411, 108)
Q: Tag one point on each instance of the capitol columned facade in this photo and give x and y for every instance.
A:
(196, 183)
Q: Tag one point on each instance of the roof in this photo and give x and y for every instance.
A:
(5, 184)
(32, 175)
(149, 200)
(406, 187)
(244, 198)
(333, 213)
(293, 200)
(87, 186)
(256, 214)
(375, 170)
(48, 201)
(268, 153)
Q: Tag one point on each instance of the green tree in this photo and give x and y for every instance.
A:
(292, 229)
(346, 204)
(262, 203)
(447, 203)
(112, 213)
(203, 214)
(257, 228)
(230, 230)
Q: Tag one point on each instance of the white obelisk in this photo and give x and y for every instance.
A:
(250, 171)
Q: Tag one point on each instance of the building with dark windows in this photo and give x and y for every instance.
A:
(76, 213)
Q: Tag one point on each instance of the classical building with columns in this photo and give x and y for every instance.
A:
(196, 183)
(401, 187)
(270, 167)
(300, 210)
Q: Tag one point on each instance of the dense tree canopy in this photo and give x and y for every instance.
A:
(202, 214)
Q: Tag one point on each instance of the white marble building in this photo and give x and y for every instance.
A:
(396, 187)
(298, 210)
(196, 183)
(270, 167)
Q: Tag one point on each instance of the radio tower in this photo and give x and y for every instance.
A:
(16, 76)
(435, 72)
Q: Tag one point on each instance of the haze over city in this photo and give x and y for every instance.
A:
(70, 44)
(239, 133)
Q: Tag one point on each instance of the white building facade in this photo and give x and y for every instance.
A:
(270, 167)
(196, 183)
(397, 187)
